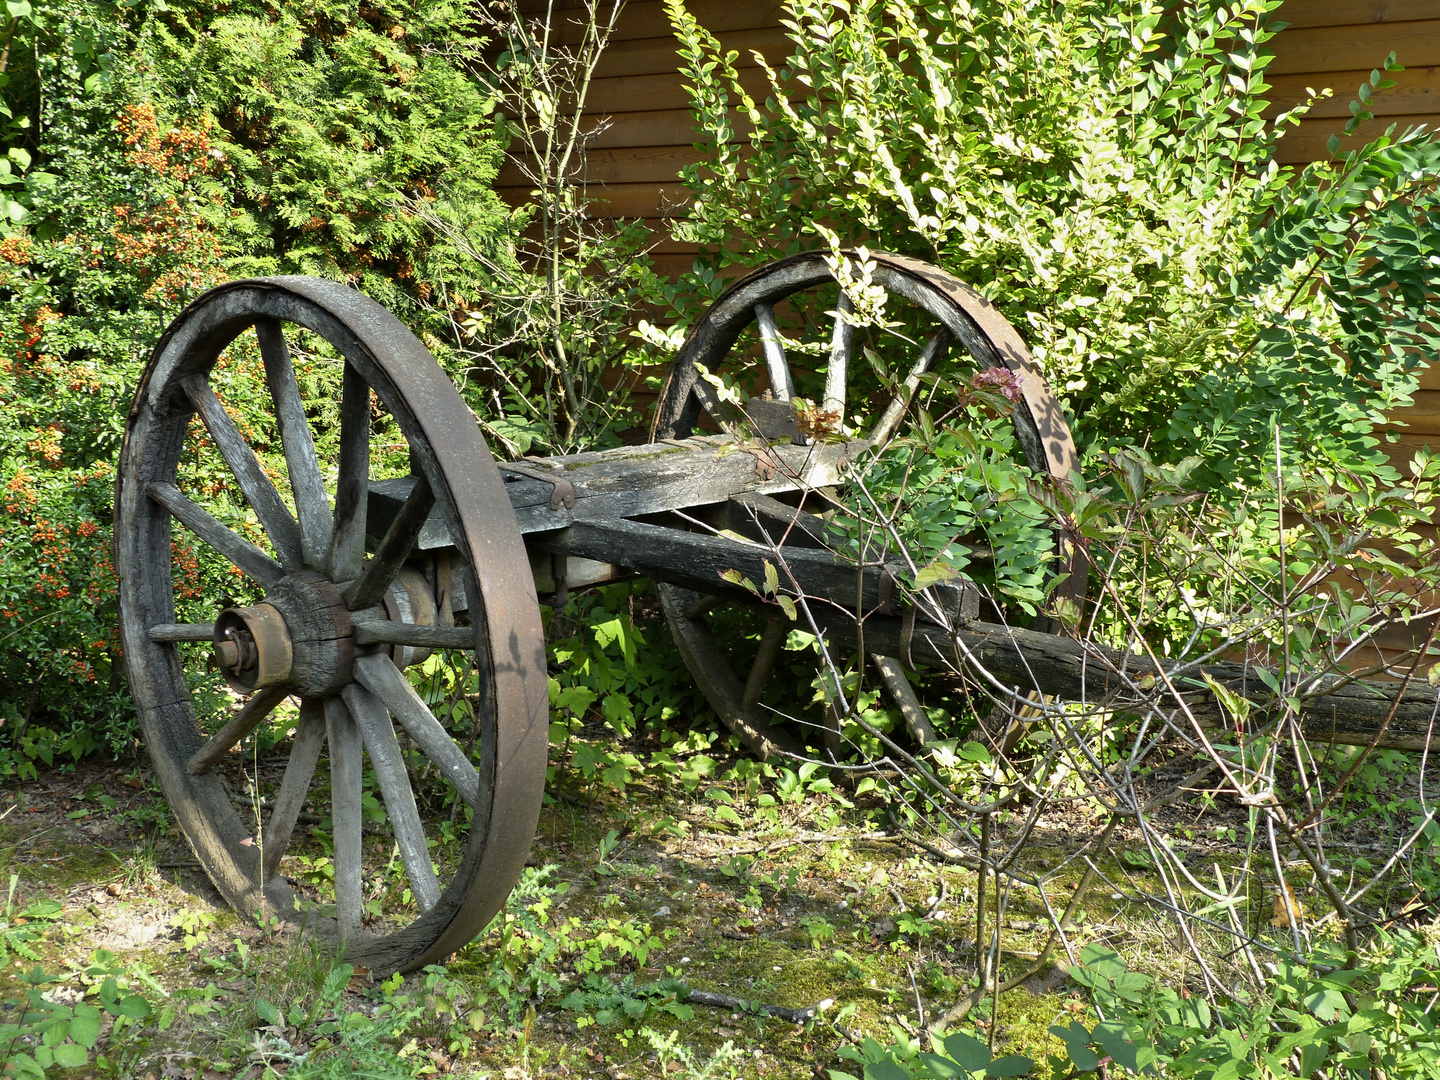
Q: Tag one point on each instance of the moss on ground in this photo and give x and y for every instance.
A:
(795, 903)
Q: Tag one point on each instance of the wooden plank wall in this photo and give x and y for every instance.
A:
(1335, 44)
(633, 162)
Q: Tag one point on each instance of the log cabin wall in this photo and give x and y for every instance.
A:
(633, 163)
(1335, 44)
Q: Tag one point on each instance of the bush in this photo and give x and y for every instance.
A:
(179, 146)
(1103, 172)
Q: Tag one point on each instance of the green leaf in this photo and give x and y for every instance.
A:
(772, 578)
(1312, 1056)
(885, 1070)
(737, 578)
(134, 1007)
(85, 1029)
(942, 1067)
(19, 9)
(1083, 1057)
(577, 699)
(267, 1012)
(969, 1052)
(338, 979)
(1236, 707)
(934, 574)
(1325, 1003)
(1102, 961)
(70, 1056)
(1112, 1039)
(1009, 1065)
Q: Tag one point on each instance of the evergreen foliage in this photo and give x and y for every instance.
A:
(163, 149)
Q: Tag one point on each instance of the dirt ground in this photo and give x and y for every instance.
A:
(812, 906)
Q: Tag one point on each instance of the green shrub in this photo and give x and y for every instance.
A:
(1358, 1018)
(338, 122)
(179, 146)
(1103, 172)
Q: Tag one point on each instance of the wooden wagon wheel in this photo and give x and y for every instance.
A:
(319, 635)
(946, 312)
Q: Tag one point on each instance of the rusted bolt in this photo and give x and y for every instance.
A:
(252, 646)
(228, 653)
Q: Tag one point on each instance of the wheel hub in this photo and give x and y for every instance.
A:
(301, 636)
(253, 647)
(410, 599)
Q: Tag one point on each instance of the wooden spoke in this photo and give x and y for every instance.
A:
(381, 677)
(256, 708)
(890, 418)
(312, 506)
(347, 545)
(394, 548)
(245, 467)
(903, 694)
(710, 401)
(346, 812)
(170, 631)
(249, 558)
(385, 632)
(304, 753)
(772, 641)
(389, 765)
(842, 344)
(717, 679)
(781, 386)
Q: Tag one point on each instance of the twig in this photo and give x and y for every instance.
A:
(961, 1009)
(919, 1005)
(755, 1008)
(574, 800)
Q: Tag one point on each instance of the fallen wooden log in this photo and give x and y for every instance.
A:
(1332, 708)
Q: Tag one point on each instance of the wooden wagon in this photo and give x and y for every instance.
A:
(362, 575)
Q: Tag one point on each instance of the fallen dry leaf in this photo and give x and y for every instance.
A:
(1287, 908)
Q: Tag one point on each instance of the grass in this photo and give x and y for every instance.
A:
(630, 893)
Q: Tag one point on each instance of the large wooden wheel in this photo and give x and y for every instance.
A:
(780, 334)
(329, 628)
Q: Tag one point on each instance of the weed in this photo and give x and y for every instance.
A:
(600, 1002)
(19, 929)
(195, 924)
(48, 1033)
(680, 1061)
(1374, 1014)
(819, 929)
